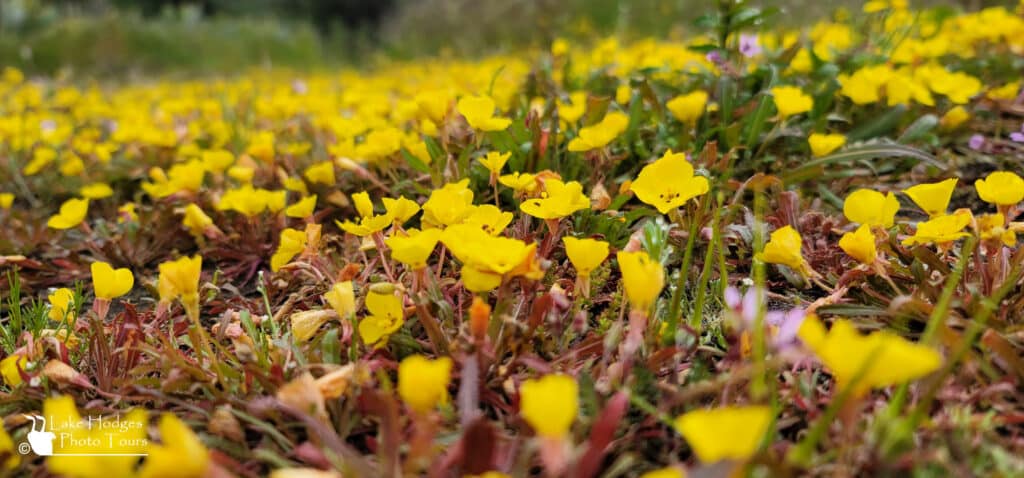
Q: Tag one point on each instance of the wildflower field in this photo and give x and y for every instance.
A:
(746, 250)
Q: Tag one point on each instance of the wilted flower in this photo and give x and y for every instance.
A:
(342, 299)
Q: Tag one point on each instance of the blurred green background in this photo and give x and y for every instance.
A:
(145, 37)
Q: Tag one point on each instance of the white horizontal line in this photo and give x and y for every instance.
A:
(99, 454)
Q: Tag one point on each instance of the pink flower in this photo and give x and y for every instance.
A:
(749, 45)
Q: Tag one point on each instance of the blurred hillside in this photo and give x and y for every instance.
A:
(124, 37)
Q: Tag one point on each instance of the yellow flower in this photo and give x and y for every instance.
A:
(252, 201)
(600, 134)
(6, 200)
(642, 277)
(342, 299)
(1002, 188)
(386, 316)
(126, 212)
(688, 108)
(423, 383)
(181, 454)
(1008, 91)
(784, 248)
(109, 283)
(479, 113)
(573, 111)
(292, 242)
(873, 357)
(623, 94)
(865, 206)
(96, 191)
(585, 254)
(953, 118)
(550, 404)
(369, 222)
(217, 160)
(559, 47)
(9, 369)
(448, 205)
(196, 220)
(668, 182)
(860, 244)
(40, 158)
(414, 250)
(669, 472)
(71, 214)
(932, 198)
(489, 218)
(179, 279)
(321, 173)
(940, 230)
(559, 200)
(60, 305)
(85, 452)
(726, 433)
(486, 260)
(824, 144)
(303, 208)
(993, 226)
(306, 323)
(522, 183)
(494, 161)
(13, 458)
(242, 174)
(401, 209)
(791, 100)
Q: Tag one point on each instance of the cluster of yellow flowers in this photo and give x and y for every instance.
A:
(413, 162)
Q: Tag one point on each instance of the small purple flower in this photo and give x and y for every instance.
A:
(714, 56)
(976, 142)
(749, 46)
(1018, 136)
(785, 323)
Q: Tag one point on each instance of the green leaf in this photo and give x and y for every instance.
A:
(415, 162)
(867, 152)
(919, 128)
(879, 125)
